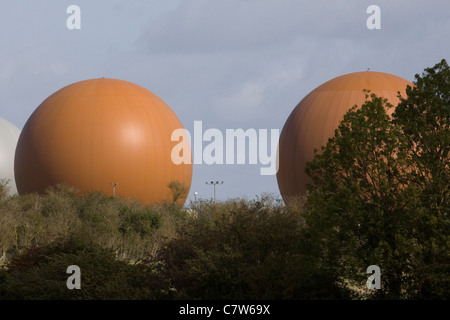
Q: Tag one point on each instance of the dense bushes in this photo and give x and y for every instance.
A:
(243, 250)
(125, 226)
(40, 273)
(41, 235)
(237, 249)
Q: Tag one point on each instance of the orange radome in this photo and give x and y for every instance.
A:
(314, 119)
(96, 132)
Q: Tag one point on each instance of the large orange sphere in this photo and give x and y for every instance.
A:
(95, 133)
(314, 119)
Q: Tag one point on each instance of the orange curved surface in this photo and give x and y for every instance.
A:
(96, 132)
(314, 119)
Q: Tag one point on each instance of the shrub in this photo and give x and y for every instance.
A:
(40, 274)
(243, 250)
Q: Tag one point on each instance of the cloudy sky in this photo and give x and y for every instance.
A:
(230, 63)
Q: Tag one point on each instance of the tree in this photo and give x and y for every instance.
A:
(241, 249)
(5, 222)
(380, 193)
(178, 191)
(424, 117)
(8, 227)
(41, 274)
(355, 201)
(4, 189)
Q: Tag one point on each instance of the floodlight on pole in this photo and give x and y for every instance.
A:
(214, 183)
(195, 195)
(114, 184)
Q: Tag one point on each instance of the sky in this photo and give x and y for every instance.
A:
(232, 64)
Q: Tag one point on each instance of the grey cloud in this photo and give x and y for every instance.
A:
(236, 25)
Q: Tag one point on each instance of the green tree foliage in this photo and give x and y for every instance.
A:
(242, 250)
(4, 189)
(33, 220)
(41, 274)
(424, 117)
(380, 193)
(8, 222)
(177, 190)
(237, 249)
